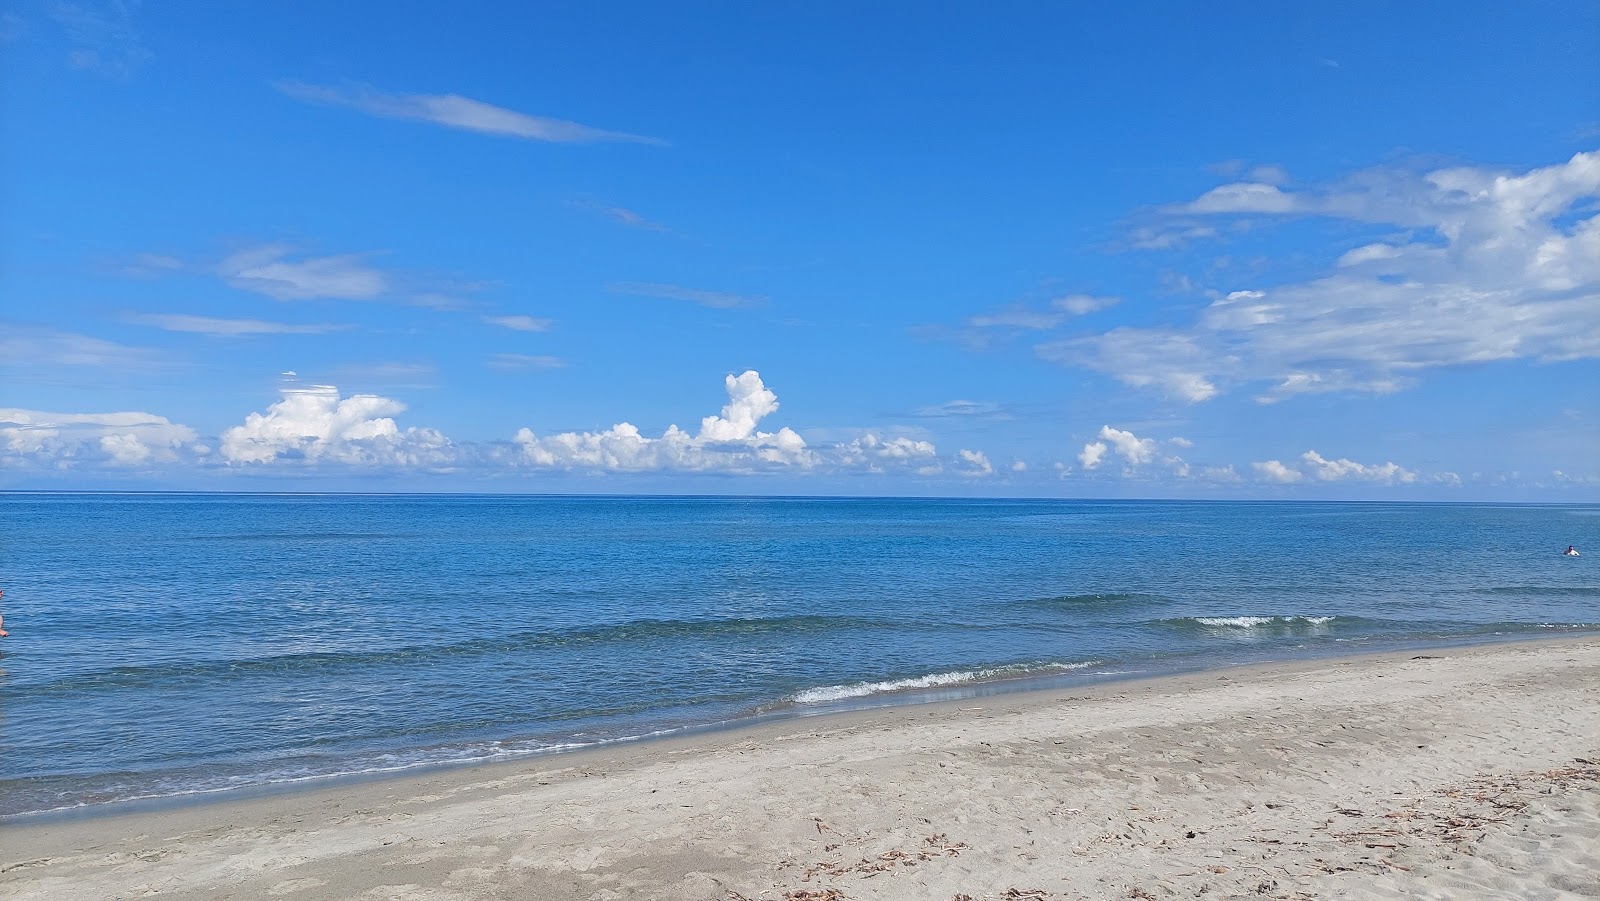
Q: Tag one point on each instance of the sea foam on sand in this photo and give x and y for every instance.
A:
(1445, 774)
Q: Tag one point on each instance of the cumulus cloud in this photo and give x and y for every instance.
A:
(34, 438)
(314, 425)
(456, 111)
(1490, 265)
(1135, 452)
(974, 463)
(1313, 465)
(1343, 469)
(1275, 471)
(728, 442)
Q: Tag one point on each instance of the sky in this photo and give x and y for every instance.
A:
(1221, 250)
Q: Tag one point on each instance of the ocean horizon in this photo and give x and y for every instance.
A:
(188, 644)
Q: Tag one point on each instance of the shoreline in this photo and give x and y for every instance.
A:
(1028, 784)
(778, 716)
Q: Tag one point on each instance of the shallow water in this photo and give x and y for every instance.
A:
(172, 644)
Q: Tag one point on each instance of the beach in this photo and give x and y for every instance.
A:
(1459, 772)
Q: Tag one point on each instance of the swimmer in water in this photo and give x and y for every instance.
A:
(1571, 551)
(3, 632)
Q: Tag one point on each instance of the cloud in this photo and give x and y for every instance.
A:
(729, 442)
(103, 35)
(1313, 465)
(1492, 266)
(520, 323)
(67, 441)
(24, 346)
(1058, 311)
(1342, 470)
(974, 408)
(269, 270)
(974, 463)
(1135, 452)
(714, 299)
(314, 425)
(206, 325)
(624, 216)
(1092, 454)
(1275, 471)
(521, 362)
(455, 111)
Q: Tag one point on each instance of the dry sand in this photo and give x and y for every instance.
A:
(1456, 773)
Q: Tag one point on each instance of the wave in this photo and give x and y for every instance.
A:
(1249, 623)
(931, 680)
(634, 631)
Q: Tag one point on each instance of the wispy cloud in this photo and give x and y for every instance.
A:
(230, 328)
(622, 215)
(523, 362)
(455, 111)
(976, 409)
(31, 347)
(520, 323)
(103, 36)
(714, 299)
(1490, 266)
(272, 270)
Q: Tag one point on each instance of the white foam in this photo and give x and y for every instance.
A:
(1238, 622)
(932, 680)
(1251, 622)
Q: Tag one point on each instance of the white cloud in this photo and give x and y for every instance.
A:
(1019, 466)
(1491, 266)
(1275, 471)
(455, 111)
(269, 270)
(1092, 454)
(34, 438)
(206, 325)
(1132, 448)
(715, 299)
(519, 323)
(733, 442)
(974, 463)
(1135, 452)
(1314, 465)
(729, 442)
(520, 362)
(314, 425)
(1342, 470)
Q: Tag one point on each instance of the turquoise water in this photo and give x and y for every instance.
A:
(167, 645)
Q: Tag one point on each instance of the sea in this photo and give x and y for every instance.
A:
(191, 646)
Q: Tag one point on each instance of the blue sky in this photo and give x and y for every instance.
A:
(1162, 250)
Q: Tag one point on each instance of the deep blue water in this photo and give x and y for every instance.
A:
(172, 644)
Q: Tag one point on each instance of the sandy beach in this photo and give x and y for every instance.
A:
(1448, 773)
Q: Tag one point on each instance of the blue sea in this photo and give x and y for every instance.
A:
(172, 645)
